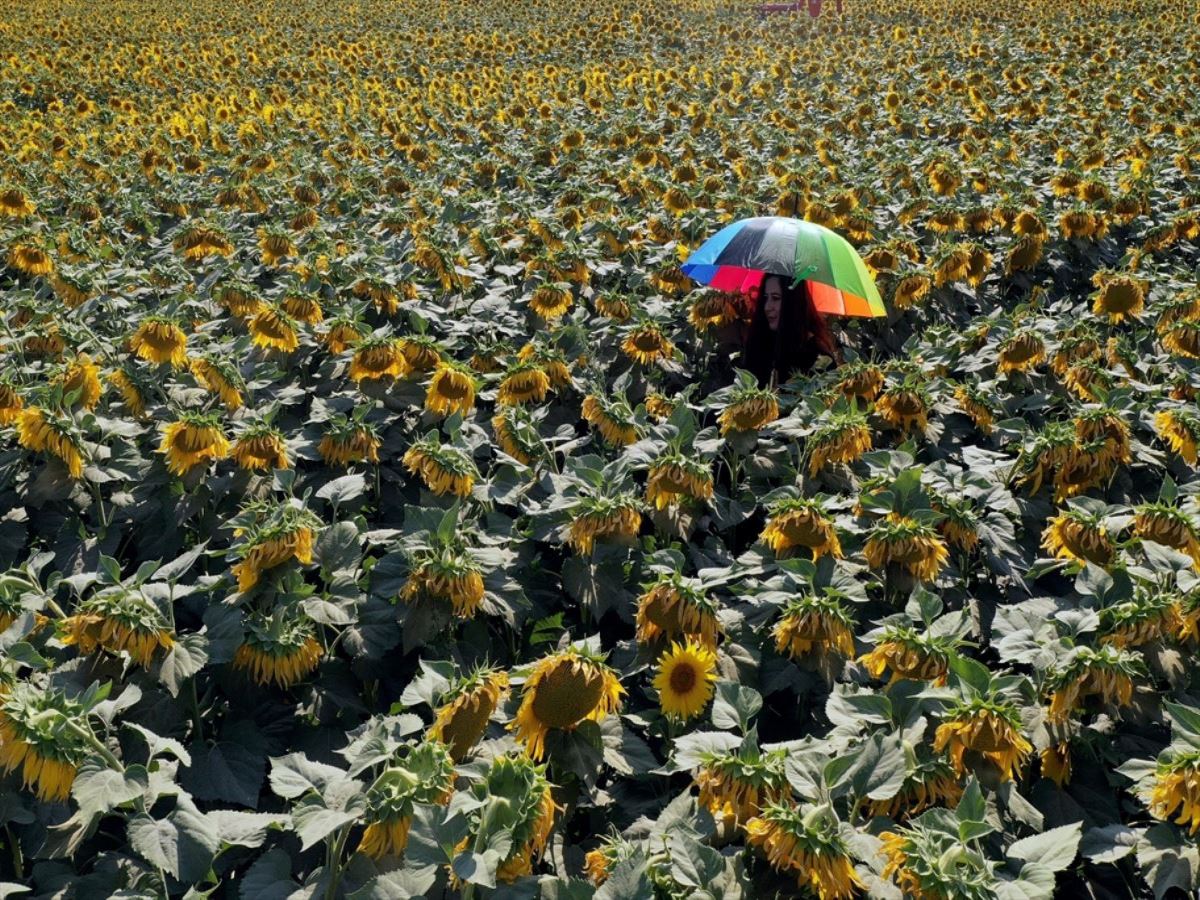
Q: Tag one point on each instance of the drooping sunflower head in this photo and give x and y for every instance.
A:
(974, 404)
(736, 784)
(563, 690)
(1169, 525)
(80, 380)
(932, 782)
(241, 298)
(1176, 788)
(1106, 672)
(1179, 428)
(11, 403)
(712, 310)
(449, 574)
(461, 719)
(1183, 339)
(119, 620)
(749, 409)
(908, 653)
(861, 379)
(928, 864)
(646, 344)
(684, 680)
(443, 468)
(515, 796)
(159, 339)
(551, 301)
(201, 239)
(347, 440)
(219, 377)
(273, 329)
(801, 522)
(1118, 295)
(280, 648)
(907, 541)
(1021, 351)
(422, 774)
(675, 607)
(45, 431)
(807, 845)
(271, 535)
(987, 728)
(1151, 615)
(523, 382)
(421, 352)
(612, 417)
(675, 478)
(1080, 537)
(659, 406)
(261, 447)
(377, 357)
(815, 623)
(845, 437)
(616, 519)
(191, 440)
(37, 741)
(303, 307)
(451, 390)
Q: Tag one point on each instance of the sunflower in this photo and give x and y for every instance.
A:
(200, 240)
(735, 785)
(303, 308)
(220, 378)
(275, 244)
(273, 329)
(1170, 526)
(1176, 788)
(160, 340)
(604, 519)
(261, 447)
(659, 406)
(801, 522)
(712, 310)
(119, 620)
(529, 811)
(1079, 537)
(1106, 673)
(1021, 352)
(676, 608)
(423, 775)
(564, 689)
(421, 353)
(281, 649)
(193, 439)
(931, 784)
(806, 846)
(523, 382)
(341, 335)
(904, 407)
(551, 301)
(988, 728)
(377, 358)
(516, 435)
(240, 298)
(30, 259)
(443, 469)
(461, 719)
(931, 864)
(674, 477)
(346, 441)
(15, 203)
(909, 654)
(1180, 429)
(272, 538)
(613, 307)
(612, 417)
(685, 678)
(37, 740)
(749, 410)
(1118, 296)
(815, 624)
(131, 393)
(903, 540)
(81, 378)
(449, 576)
(1056, 763)
(45, 432)
(1149, 617)
(11, 403)
(863, 380)
(843, 439)
(1183, 339)
(975, 406)
(646, 344)
(451, 390)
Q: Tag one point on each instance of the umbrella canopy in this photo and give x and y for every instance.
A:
(736, 258)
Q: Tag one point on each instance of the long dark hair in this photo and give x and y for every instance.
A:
(794, 346)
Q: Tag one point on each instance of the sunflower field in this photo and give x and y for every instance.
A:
(383, 513)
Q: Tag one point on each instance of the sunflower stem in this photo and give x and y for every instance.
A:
(14, 847)
(335, 866)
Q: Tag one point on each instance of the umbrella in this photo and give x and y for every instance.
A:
(736, 258)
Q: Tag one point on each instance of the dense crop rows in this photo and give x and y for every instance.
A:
(382, 513)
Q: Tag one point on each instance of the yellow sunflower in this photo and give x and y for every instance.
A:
(461, 719)
(685, 678)
(193, 439)
(160, 340)
(564, 689)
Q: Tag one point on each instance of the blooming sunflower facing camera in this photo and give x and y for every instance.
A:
(684, 680)
(564, 690)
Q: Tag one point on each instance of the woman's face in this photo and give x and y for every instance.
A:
(772, 302)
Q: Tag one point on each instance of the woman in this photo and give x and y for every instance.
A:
(787, 334)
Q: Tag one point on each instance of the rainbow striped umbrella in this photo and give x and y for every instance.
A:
(736, 258)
